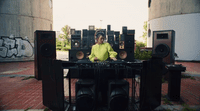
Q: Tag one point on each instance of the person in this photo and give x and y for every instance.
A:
(102, 51)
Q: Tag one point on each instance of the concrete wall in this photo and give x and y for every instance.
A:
(162, 8)
(20, 18)
(182, 16)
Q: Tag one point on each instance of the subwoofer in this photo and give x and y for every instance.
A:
(45, 47)
(164, 45)
(81, 54)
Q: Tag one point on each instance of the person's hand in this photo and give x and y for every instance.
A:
(113, 58)
(95, 59)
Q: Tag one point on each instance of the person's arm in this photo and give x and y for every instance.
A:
(112, 53)
(92, 56)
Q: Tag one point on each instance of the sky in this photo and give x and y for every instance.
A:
(79, 14)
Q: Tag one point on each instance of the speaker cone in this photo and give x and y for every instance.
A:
(46, 49)
(162, 50)
(79, 55)
(122, 54)
(76, 43)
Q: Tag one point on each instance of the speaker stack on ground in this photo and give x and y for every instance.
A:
(126, 45)
(116, 43)
(45, 47)
(91, 33)
(84, 43)
(164, 45)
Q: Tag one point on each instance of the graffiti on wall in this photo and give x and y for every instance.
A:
(12, 47)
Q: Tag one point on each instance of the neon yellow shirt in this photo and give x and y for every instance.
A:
(102, 52)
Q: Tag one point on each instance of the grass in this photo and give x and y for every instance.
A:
(12, 76)
(187, 76)
(166, 101)
(27, 108)
(187, 108)
(26, 78)
(163, 80)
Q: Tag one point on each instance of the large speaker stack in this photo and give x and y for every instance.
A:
(126, 45)
(164, 44)
(91, 33)
(45, 47)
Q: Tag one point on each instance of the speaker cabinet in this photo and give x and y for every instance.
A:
(91, 40)
(164, 45)
(111, 38)
(151, 83)
(45, 47)
(81, 54)
(52, 84)
(116, 42)
(129, 40)
(84, 43)
(118, 98)
(84, 34)
(126, 55)
(75, 41)
(85, 95)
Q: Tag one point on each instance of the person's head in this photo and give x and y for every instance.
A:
(100, 37)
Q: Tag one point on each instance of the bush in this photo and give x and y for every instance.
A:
(145, 55)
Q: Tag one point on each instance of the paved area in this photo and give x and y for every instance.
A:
(19, 90)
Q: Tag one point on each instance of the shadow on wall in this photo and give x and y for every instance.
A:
(15, 47)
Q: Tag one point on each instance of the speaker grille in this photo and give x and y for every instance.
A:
(162, 50)
(123, 55)
(47, 49)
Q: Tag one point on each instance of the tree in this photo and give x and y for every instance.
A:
(65, 40)
(144, 36)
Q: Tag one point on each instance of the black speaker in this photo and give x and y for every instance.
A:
(116, 42)
(122, 42)
(91, 40)
(72, 31)
(79, 54)
(164, 45)
(52, 84)
(151, 83)
(75, 41)
(108, 27)
(78, 32)
(85, 95)
(84, 34)
(124, 30)
(118, 95)
(129, 40)
(126, 55)
(45, 47)
(84, 43)
(111, 38)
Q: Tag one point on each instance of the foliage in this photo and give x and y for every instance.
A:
(141, 55)
(187, 108)
(144, 36)
(64, 43)
(26, 78)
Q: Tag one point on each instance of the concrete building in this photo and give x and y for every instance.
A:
(18, 21)
(182, 16)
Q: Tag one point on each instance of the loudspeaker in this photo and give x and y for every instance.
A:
(164, 45)
(78, 32)
(84, 34)
(45, 47)
(84, 43)
(108, 27)
(79, 54)
(75, 41)
(52, 84)
(72, 31)
(151, 83)
(85, 95)
(121, 41)
(118, 95)
(129, 40)
(111, 38)
(91, 40)
(126, 55)
(124, 30)
(116, 42)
